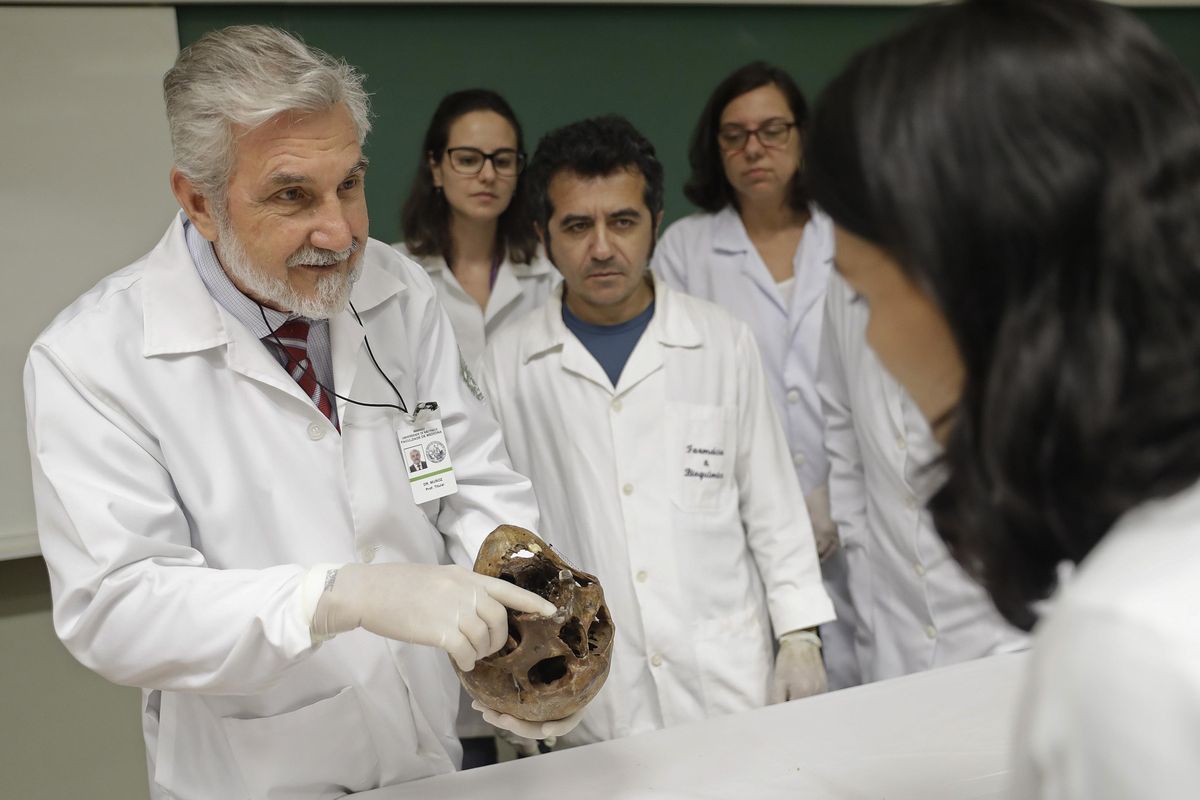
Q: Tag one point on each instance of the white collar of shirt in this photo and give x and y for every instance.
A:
(671, 324)
(243, 309)
(180, 316)
(730, 236)
(538, 265)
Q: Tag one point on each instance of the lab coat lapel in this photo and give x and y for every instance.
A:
(346, 339)
(644, 361)
(577, 359)
(248, 356)
(552, 333)
(347, 336)
(180, 316)
(891, 395)
(730, 238)
(506, 292)
(671, 326)
(811, 269)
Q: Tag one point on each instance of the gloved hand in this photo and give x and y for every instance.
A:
(530, 730)
(799, 671)
(448, 607)
(523, 746)
(825, 533)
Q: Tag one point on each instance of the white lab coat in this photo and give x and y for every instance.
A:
(697, 571)
(1111, 706)
(711, 256)
(917, 608)
(519, 289)
(184, 486)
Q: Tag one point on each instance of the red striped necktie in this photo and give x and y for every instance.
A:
(293, 334)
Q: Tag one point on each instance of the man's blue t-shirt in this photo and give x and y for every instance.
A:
(611, 345)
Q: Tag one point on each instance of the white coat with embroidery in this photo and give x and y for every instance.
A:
(185, 484)
(711, 256)
(675, 488)
(519, 289)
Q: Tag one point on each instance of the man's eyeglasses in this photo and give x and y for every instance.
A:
(470, 160)
(773, 133)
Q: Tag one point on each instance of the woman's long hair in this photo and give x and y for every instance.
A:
(708, 187)
(425, 218)
(1035, 168)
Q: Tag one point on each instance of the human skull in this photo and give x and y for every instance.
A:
(550, 667)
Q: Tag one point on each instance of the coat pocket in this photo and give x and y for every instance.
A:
(735, 658)
(322, 750)
(702, 456)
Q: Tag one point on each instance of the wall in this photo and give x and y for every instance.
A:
(555, 64)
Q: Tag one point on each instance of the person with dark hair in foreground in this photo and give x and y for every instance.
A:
(645, 421)
(1016, 189)
(758, 251)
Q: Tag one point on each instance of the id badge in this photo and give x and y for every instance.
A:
(426, 454)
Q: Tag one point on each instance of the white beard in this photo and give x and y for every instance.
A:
(332, 290)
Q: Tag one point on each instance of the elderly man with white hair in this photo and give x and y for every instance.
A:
(219, 435)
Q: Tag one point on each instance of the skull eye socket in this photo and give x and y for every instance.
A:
(600, 631)
(548, 670)
(572, 636)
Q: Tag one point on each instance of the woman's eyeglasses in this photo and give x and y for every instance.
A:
(470, 160)
(773, 133)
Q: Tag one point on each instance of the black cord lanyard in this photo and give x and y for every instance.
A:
(290, 361)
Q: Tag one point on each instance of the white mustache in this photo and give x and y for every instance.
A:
(319, 256)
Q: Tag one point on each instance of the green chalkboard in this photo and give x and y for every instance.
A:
(555, 64)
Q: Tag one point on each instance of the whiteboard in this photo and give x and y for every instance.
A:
(83, 186)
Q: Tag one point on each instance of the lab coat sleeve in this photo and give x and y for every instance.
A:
(490, 492)
(670, 259)
(133, 600)
(1113, 712)
(777, 527)
(847, 483)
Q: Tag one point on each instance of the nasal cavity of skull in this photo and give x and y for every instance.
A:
(572, 636)
(548, 670)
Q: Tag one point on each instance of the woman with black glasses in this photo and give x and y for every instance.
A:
(758, 251)
(465, 220)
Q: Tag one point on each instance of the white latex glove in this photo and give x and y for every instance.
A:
(799, 671)
(455, 609)
(530, 730)
(523, 746)
(825, 533)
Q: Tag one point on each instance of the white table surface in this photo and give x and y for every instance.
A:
(939, 735)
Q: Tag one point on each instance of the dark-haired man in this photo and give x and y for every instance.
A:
(644, 420)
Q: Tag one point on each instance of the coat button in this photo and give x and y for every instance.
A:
(616, 404)
(798, 459)
(919, 568)
(793, 396)
(641, 576)
(367, 553)
(627, 488)
(316, 432)
(931, 631)
(910, 503)
(656, 660)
